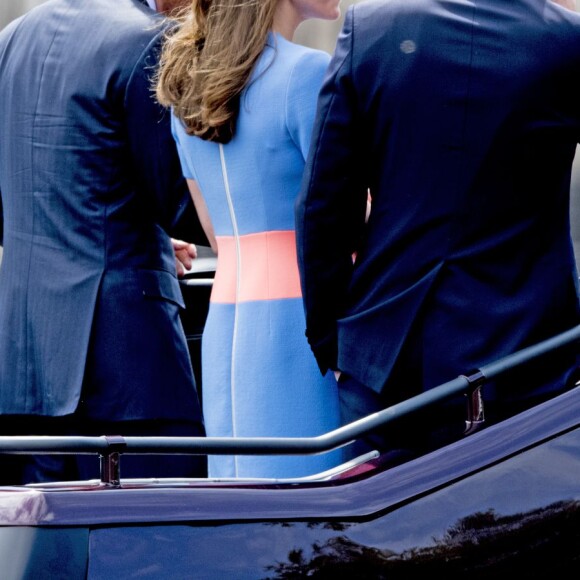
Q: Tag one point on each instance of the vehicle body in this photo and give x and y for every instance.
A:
(503, 501)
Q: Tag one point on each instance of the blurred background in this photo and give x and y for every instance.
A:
(322, 34)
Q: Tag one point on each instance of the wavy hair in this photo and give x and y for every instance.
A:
(206, 62)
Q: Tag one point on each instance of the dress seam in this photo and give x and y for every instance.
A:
(236, 303)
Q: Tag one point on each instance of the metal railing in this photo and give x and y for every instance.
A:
(110, 448)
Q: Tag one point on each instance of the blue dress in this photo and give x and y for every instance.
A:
(260, 377)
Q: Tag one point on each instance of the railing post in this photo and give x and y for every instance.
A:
(475, 412)
(110, 460)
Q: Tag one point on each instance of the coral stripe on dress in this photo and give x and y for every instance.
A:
(268, 267)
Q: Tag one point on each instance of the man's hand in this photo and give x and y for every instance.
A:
(185, 253)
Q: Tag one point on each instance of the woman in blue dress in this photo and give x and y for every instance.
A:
(243, 98)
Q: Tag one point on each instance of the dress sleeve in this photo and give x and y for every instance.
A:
(179, 134)
(301, 96)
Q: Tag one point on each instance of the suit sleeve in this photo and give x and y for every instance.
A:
(331, 207)
(154, 152)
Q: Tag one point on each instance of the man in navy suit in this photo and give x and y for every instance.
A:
(461, 119)
(90, 336)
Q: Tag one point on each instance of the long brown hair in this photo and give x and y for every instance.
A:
(207, 60)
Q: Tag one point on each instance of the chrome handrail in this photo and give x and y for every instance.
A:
(111, 447)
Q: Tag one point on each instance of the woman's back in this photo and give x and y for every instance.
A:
(260, 377)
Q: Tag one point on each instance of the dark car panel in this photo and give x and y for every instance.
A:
(32, 553)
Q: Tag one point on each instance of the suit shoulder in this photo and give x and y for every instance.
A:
(135, 24)
(9, 29)
(376, 11)
(130, 36)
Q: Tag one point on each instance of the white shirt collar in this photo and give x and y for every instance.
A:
(152, 5)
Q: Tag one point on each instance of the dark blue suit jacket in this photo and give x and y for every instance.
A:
(462, 118)
(90, 182)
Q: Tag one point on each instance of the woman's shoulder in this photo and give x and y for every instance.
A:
(298, 54)
(288, 64)
(302, 65)
(287, 54)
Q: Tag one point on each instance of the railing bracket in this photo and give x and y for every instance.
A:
(475, 408)
(110, 460)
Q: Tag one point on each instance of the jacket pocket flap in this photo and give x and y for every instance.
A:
(160, 284)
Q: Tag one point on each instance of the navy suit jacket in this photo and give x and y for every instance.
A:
(462, 119)
(90, 184)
